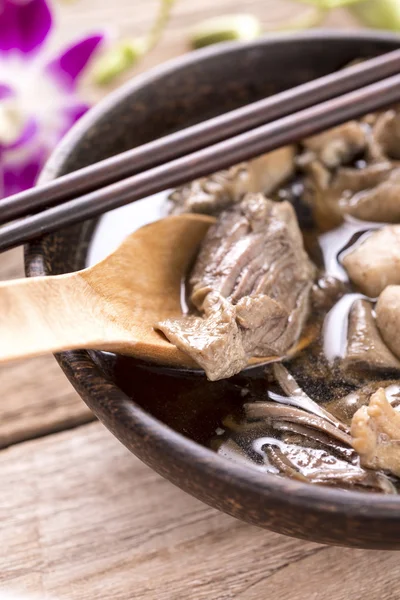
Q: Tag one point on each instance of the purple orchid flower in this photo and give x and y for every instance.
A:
(38, 96)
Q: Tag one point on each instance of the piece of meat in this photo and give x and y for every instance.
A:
(218, 341)
(271, 411)
(332, 195)
(369, 192)
(365, 347)
(339, 145)
(385, 138)
(213, 194)
(322, 467)
(374, 263)
(344, 408)
(388, 317)
(327, 291)
(293, 433)
(318, 196)
(380, 203)
(251, 283)
(347, 181)
(375, 430)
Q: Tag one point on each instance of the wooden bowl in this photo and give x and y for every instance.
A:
(172, 96)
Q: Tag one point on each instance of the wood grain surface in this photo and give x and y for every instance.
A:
(80, 517)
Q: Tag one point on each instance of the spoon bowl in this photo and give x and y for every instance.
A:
(113, 305)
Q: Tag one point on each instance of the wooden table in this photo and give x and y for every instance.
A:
(80, 517)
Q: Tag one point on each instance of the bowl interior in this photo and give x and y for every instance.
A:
(188, 91)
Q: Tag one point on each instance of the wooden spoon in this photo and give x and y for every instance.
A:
(111, 306)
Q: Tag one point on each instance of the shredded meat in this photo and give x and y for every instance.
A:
(376, 434)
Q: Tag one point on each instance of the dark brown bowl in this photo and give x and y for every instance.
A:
(175, 95)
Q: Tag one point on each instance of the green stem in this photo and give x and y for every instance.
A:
(126, 53)
(160, 23)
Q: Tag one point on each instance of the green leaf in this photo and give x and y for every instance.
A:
(125, 54)
(224, 28)
(118, 59)
(379, 14)
(329, 4)
(163, 15)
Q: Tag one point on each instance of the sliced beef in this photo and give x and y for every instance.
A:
(311, 448)
(213, 194)
(251, 285)
(375, 262)
(365, 346)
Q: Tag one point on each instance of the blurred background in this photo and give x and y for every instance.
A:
(128, 20)
(58, 57)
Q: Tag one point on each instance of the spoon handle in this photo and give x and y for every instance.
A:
(49, 314)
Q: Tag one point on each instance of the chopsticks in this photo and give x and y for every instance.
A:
(193, 157)
(199, 136)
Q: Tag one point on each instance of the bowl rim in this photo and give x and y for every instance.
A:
(298, 494)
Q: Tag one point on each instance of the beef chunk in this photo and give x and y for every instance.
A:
(348, 181)
(213, 194)
(348, 191)
(381, 203)
(251, 283)
(344, 408)
(375, 263)
(376, 433)
(385, 138)
(365, 347)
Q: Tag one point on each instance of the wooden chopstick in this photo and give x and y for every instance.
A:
(199, 136)
(242, 147)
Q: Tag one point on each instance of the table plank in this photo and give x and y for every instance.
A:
(36, 397)
(82, 518)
